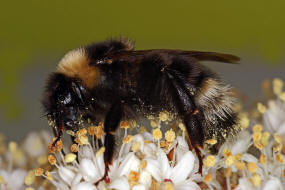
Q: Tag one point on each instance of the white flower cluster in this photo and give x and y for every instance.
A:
(139, 165)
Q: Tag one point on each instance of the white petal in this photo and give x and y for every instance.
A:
(66, 174)
(102, 186)
(99, 161)
(16, 179)
(249, 158)
(150, 150)
(145, 178)
(189, 185)
(76, 179)
(153, 168)
(244, 184)
(147, 136)
(90, 171)
(183, 168)
(164, 164)
(130, 162)
(85, 186)
(85, 151)
(242, 143)
(273, 184)
(34, 145)
(139, 187)
(119, 184)
(281, 129)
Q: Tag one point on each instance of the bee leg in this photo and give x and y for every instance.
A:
(195, 134)
(111, 123)
(58, 134)
(190, 115)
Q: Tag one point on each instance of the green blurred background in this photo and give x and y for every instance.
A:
(35, 34)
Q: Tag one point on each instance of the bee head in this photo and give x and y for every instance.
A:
(64, 99)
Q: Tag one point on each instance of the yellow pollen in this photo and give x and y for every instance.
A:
(163, 116)
(3, 149)
(48, 175)
(230, 160)
(153, 123)
(252, 167)
(125, 125)
(74, 148)
(279, 158)
(13, 146)
(258, 145)
(238, 156)
(265, 138)
(29, 188)
(99, 131)
(257, 128)
(277, 138)
(135, 146)
(262, 159)
(277, 86)
(91, 130)
(208, 178)
(261, 108)
(82, 139)
(211, 141)
(51, 159)
(42, 160)
(240, 165)
(51, 149)
(127, 139)
(1, 180)
(70, 132)
(143, 164)
(100, 151)
(30, 178)
(164, 144)
(80, 132)
(228, 172)
(157, 134)
(256, 180)
(256, 136)
(277, 147)
(38, 171)
(226, 152)
(57, 147)
(133, 176)
(168, 186)
(182, 126)
(70, 157)
(147, 142)
(210, 161)
(170, 135)
(244, 121)
(282, 96)
(142, 130)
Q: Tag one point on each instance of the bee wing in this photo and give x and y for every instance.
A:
(198, 55)
(211, 56)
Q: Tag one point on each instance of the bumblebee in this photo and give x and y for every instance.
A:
(110, 81)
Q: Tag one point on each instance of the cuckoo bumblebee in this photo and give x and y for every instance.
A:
(110, 81)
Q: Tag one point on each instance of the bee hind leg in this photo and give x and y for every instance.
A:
(189, 113)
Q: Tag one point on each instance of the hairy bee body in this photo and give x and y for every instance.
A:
(110, 81)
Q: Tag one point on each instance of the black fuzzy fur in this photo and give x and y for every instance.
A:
(142, 82)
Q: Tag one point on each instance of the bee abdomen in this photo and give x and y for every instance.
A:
(216, 100)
